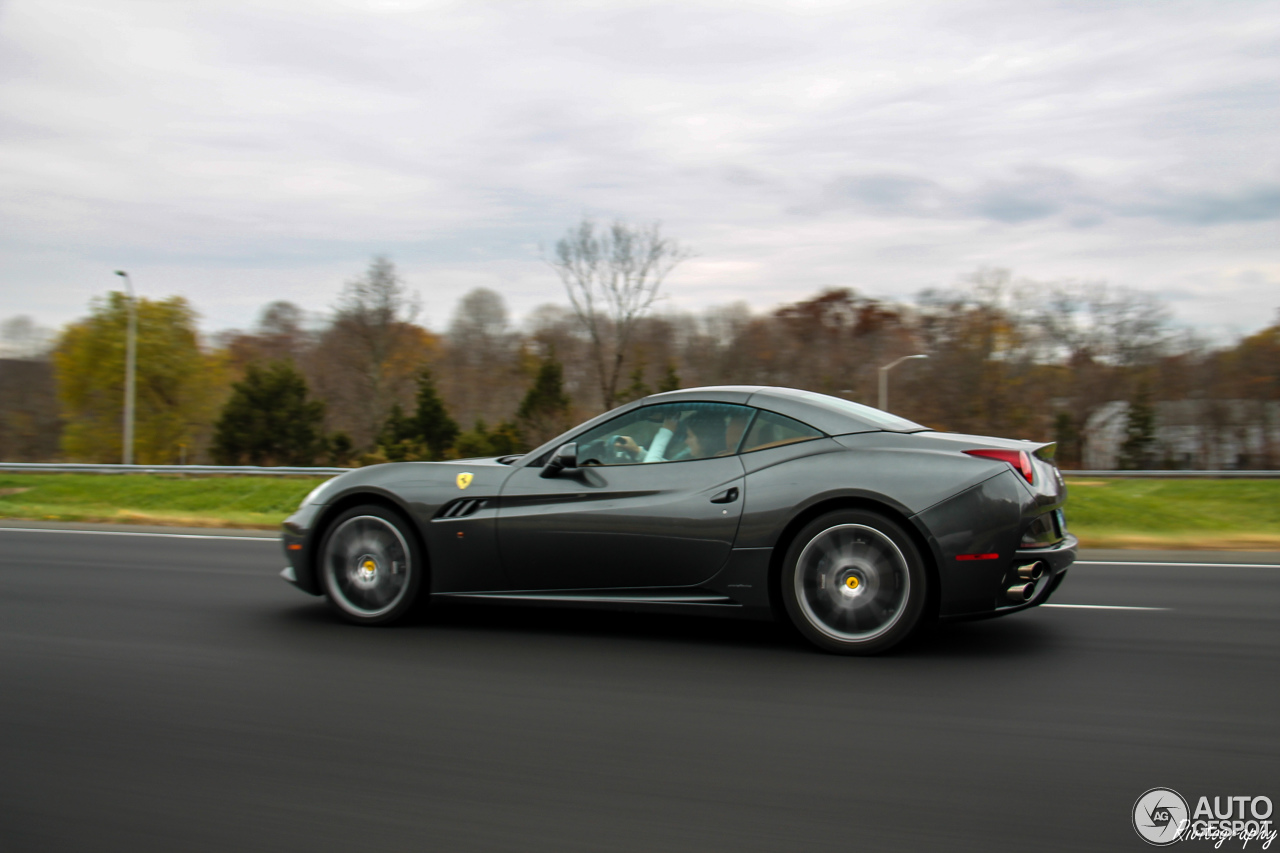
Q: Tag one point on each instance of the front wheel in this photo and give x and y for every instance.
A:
(853, 583)
(370, 565)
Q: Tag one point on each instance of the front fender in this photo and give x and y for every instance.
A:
(461, 552)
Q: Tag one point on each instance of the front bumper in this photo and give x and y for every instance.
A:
(297, 550)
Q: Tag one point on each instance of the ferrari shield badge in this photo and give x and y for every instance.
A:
(464, 480)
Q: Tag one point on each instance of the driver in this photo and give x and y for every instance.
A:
(703, 434)
(627, 444)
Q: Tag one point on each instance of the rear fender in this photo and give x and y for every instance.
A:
(977, 534)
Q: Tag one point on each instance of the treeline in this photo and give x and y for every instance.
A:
(368, 383)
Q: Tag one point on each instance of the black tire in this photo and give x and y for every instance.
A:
(371, 566)
(854, 583)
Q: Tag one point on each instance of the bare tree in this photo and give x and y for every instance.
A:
(612, 276)
(366, 361)
(481, 317)
(480, 373)
(279, 334)
(20, 337)
(281, 326)
(30, 428)
(1114, 325)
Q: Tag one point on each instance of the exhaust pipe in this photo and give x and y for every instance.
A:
(1031, 571)
(1021, 592)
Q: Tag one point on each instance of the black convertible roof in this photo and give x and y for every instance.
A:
(832, 415)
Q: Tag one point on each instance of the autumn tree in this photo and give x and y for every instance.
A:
(992, 367)
(834, 341)
(173, 381)
(1254, 365)
(280, 333)
(269, 420)
(964, 337)
(612, 277)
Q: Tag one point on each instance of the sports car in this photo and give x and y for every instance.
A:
(853, 524)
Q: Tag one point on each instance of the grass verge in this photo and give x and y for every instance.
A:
(1163, 514)
(248, 502)
(1215, 515)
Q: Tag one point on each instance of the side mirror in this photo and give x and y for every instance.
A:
(565, 458)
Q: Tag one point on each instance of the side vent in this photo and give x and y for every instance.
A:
(462, 508)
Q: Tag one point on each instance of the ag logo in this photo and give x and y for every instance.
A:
(1160, 815)
(464, 480)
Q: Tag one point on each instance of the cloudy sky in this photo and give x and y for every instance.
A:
(238, 152)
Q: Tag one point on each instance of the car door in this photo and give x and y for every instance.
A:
(622, 523)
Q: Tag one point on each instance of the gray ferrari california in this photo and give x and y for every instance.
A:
(857, 526)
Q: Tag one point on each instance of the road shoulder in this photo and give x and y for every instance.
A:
(18, 523)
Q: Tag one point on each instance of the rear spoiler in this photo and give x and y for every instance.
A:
(1046, 451)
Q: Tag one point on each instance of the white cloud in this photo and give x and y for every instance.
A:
(238, 153)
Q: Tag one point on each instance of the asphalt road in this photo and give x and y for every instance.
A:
(161, 693)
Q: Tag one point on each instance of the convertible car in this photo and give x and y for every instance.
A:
(854, 524)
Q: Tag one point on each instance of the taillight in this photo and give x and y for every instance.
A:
(1019, 459)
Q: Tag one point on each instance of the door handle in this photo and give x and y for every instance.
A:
(728, 496)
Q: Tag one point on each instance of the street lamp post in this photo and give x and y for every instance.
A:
(130, 368)
(884, 379)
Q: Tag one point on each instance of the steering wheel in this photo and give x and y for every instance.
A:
(614, 453)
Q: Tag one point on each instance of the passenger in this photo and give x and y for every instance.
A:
(733, 432)
(704, 437)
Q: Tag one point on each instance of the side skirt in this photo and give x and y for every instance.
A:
(699, 602)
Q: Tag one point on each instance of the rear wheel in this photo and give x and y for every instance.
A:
(371, 566)
(853, 582)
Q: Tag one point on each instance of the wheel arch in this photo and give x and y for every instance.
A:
(358, 498)
(808, 514)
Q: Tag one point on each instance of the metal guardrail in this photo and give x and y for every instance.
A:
(281, 471)
(91, 468)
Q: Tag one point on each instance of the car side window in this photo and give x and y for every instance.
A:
(671, 432)
(773, 430)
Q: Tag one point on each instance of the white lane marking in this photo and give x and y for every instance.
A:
(140, 533)
(1104, 607)
(1172, 563)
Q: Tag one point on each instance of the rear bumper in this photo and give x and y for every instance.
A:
(1056, 559)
